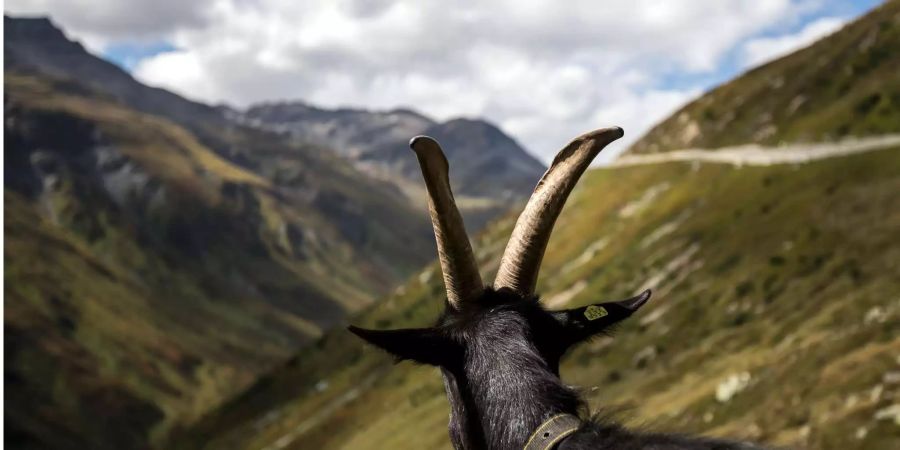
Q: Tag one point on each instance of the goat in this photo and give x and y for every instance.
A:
(497, 348)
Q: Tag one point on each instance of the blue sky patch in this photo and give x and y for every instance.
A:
(128, 55)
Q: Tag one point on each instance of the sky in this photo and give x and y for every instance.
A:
(544, 71)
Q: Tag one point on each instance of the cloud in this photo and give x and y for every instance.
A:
(98, 23)
(542, 71)
(761, 50)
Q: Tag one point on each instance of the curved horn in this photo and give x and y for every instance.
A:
(461, 277)
(522, 259)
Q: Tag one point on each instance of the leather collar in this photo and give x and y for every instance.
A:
(552, 432)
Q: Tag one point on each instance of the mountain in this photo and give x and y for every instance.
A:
(159, 257)
(490, 168)
(844, 85)
(774, 318)
(35, 43)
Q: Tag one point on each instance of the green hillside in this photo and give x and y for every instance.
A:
(783, 278)
(147, 277)
(842, 86)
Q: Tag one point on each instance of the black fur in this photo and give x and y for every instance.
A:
(500, 362)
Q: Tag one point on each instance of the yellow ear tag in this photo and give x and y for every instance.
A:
(595, 312)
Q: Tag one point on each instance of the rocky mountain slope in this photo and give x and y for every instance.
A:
(843, 85)
(154, 265)
(489, 167)
(775, 314)
(353, 132)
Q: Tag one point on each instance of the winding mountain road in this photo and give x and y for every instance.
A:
(755, 155)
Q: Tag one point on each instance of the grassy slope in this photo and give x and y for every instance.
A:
(129, 318)
(789, 273)
(843, 85)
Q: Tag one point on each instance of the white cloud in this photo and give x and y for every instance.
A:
(761, 50)
(544, 71)
(99, 22)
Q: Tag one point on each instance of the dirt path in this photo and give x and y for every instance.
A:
(755, 155)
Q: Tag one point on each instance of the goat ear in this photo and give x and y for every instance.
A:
(422, 345)
(582, 323)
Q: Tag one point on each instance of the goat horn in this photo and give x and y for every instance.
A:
(521, 260)
(461, 277)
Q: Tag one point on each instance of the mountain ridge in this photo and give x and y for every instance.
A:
(36, 43)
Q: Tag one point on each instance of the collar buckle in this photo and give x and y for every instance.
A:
(552, 432)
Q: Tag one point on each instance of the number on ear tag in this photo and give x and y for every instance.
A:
(595, 312)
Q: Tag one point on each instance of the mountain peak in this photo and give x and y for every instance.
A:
(36, 31)
(481, 128)
(37, 45)
(471, 124)
(409, 112)
(31, 25)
